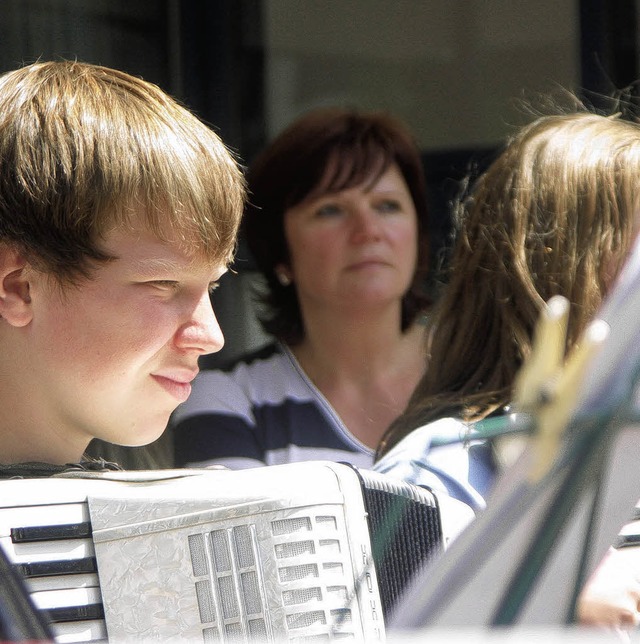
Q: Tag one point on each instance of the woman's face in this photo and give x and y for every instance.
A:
(354, 248)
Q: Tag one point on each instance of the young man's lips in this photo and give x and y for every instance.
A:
(179, 389)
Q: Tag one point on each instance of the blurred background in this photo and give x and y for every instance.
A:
(458, 72)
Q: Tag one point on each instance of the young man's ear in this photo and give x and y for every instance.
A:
(15, 299)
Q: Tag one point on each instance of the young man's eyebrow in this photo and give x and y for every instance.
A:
(154, 264)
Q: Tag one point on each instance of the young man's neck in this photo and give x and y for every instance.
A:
(16, 449)
(25, 439)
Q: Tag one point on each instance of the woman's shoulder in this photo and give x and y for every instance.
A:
(270, 352)
(262, 364)
(264, 377)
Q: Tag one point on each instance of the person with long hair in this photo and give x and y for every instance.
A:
(554, 214)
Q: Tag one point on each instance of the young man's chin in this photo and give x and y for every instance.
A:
(139, 437)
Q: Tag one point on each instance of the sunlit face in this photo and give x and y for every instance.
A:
(354, 248)
(116, 355)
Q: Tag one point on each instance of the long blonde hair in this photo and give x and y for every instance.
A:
(555, 213)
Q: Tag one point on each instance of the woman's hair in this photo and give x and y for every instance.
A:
(555, 214)
(323, 152)
(84, 147)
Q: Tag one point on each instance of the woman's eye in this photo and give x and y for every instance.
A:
(388, 205)
(328, 210)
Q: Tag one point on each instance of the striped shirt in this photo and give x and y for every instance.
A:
(264, 410)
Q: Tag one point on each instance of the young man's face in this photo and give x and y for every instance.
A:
(116, 355)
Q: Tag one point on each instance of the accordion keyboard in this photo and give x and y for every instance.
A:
(52, 548)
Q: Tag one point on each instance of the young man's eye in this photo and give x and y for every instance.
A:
(166, 285)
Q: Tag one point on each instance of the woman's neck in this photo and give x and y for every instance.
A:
(366, 372)
(341, 334)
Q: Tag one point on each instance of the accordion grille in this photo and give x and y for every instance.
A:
(235, 600)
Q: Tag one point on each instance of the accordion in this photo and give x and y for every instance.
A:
(303, 552)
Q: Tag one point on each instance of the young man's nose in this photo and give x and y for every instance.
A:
(202, 332)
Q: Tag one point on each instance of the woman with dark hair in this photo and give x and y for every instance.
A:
(336, 224)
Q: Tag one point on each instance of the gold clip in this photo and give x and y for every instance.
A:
(547, 386)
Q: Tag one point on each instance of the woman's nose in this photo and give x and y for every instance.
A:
(366, 225)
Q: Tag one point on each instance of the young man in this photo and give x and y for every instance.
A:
(118, 212)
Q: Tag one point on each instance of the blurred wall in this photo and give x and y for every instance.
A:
(451, 68)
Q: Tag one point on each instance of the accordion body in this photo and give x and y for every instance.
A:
(304, 552)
